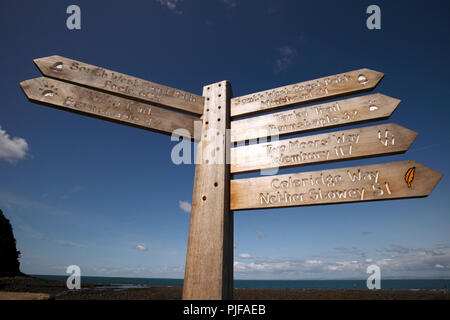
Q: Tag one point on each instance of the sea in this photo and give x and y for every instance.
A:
(388, 284)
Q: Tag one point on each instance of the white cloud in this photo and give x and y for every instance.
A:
(406, 263)
(286, 55)
(185, 206)
(245, 256)
(316, 262)
(171, 5)
(12, 149)
(141, 247)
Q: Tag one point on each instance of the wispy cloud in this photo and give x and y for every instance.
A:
(140, 247)
(185, 206)
(71, 244)
(260, 234)
(245, 256)
(285, 58)
(8, 199)
(30, 231)
(230, 3)
(352, 251)
(12, 149)
(171, 5)
(70, 192)
(395, 248)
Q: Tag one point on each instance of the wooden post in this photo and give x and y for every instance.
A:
(209, 260)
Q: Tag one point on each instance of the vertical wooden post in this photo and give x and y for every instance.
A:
(209, 260)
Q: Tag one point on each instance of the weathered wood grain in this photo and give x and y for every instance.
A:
(128, 86)
(105, 106)
(303, 92)
(334, 146)
(209, 260)
(355, 184)
(326, 115)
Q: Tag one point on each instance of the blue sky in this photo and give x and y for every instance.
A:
(107, 197)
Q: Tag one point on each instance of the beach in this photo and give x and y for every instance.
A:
(58, 291)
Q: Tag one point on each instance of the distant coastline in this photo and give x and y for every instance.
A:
(355, 284)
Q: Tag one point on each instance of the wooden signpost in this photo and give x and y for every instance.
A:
(110, 81)
(326, 147)
(105, 106)
(94, 91)
(308, 91)
(322, 116)
(365, 183)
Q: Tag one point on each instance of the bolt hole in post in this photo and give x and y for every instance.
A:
(204, 198)
(219, 107)
(215, 184)
(218, 119)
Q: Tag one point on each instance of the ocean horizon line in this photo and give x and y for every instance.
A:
(240, 279)
(319, 284)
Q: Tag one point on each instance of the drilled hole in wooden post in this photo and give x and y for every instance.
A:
(215, 184)
(218, 119)
(220, 95)
(219, 107)
(206, 122)
(204, 198)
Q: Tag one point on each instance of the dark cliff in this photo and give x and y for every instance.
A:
(9, 256)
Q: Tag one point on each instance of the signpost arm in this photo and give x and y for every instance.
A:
(209, 260)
